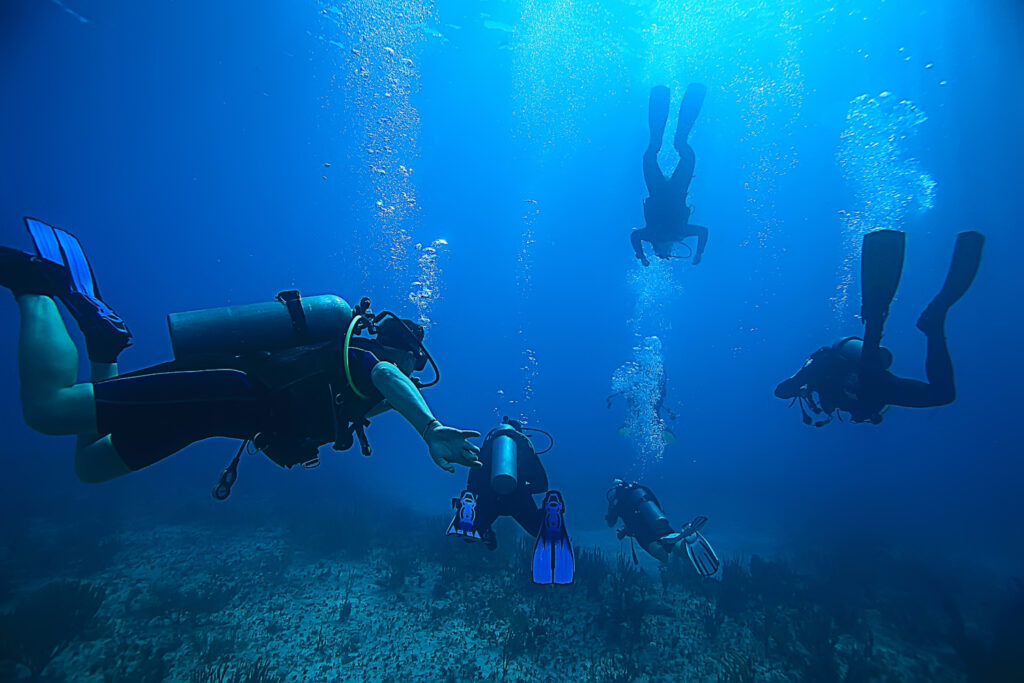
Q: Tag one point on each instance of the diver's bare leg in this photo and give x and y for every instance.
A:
(52, 403)
(657, 551)
(96, 459)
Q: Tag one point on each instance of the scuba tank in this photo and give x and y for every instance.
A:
(648, 512)
(506, 442)
(852, 348)
(504, 466)
(290, 320)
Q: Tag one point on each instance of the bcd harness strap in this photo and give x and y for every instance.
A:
(293, 302)
(348, 424)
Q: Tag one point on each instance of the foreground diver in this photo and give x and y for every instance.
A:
(287, 376)
(666, 214)
(643, 519)
(504, 486)
(852, 375)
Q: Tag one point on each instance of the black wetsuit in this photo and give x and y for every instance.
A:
(297, 400)
(846, 385)
(520, 505)
(624, 502)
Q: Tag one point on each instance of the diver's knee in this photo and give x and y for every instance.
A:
(44, 417)
(657, 551)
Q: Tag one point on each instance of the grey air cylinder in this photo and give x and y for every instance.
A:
(504, 469)
(650, 514)
(268, 326)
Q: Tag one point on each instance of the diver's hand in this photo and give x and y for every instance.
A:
(448, 445)
(643, 261)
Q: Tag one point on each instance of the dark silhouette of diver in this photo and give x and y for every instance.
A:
(288, 376)
(644, 519)
(852, 375)
(666, 213)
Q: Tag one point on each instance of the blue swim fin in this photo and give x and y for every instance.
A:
(962, 270)
(106, 334)
(657, 113)
(464, 522)
(693, 100)
(881, 267)
(553, 561)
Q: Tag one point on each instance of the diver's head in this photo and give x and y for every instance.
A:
(402, 342)
(662, 249)
(851, 349)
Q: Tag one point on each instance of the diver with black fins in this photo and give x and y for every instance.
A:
(644, 519)
(666, 214)
(852, 375)
(285, 377)
(511, 475)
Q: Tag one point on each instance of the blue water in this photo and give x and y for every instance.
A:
(209, 154)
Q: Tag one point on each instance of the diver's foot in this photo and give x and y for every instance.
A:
(933, 320)
(668, 541)
(693, 526)
(106, 334)
(24, 273)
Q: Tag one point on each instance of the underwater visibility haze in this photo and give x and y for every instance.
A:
(719, 295)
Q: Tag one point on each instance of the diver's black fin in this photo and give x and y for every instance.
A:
(657, 113)
(963, 269)
(881, 265)
(693, 100)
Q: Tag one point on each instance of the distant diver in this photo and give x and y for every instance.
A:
(285, 377)
(666, 213)
(633, 408)
(852, 375)
(505, 485)
(644, 519)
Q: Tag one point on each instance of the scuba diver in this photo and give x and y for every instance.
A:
(285, 377)
(504, 486)
(666, 214)
(853, 375)
(632, 408)
(643, 519)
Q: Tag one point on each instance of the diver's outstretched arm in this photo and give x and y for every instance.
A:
(447, 445)
(702, 241)
(793, 387)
